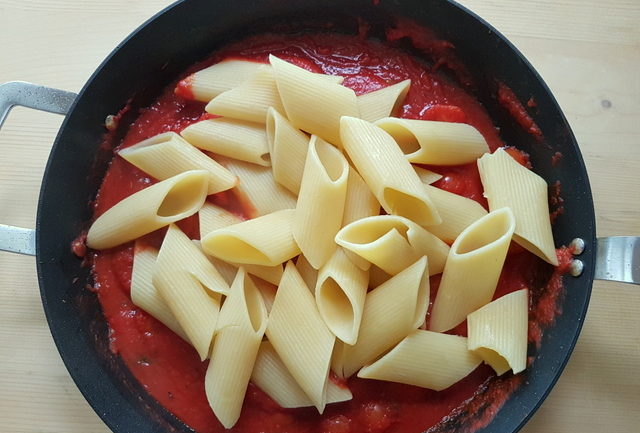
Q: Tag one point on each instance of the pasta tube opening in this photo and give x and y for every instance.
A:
(183, 198)
(332, 161)
(336, 306)
(237, 250)
(406, 140)
(255, 307)
(495, 227)
(407, 205)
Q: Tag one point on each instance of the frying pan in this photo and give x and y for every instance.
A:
(73, 313)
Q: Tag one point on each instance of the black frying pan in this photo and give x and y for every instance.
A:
(152, 57)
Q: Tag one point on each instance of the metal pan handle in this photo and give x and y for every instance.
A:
(16, 239)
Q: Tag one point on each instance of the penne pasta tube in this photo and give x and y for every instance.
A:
(271, 376)
(359, 203)
(439, 143)
(241, 325)
(383, 102)
(320, 207)
(144, 294)
(266, 240)
(250, 100)
(300, 337)
(390, 313)
(392, 243)
(385, 170)
(148, 210)
(426, 176)
(457, 213)
(498, 332)
(340, 292)
(207, 83)
(168, 154)
(426, 359)
(191, 287)
(237, 139)
(258, 190)
(308, 273)
(472, 270)
(288, 147)
(507, 183)
(330, 100)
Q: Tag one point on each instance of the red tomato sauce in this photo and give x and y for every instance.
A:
(170, 370)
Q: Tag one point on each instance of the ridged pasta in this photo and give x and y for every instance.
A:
(191, 286)
(257, 190)
(457, 213)
(266, 240)
(439, 143)
(208, 83)
(250, 100)
(340, 292)
(168, 154)
(143, 292)
(241, 325)
(298, 87)
(320, 207)
(426, 359)
(237, 139)
(288, 146)
(426, 176)
(384, 102)
(308, 273)
(391, 312)
(507, 183)
(300, 337)
(359, 203)
(392, 243)
(498, 332)
(148, 210)
(271, 376)
(473, 267)
(386, 171)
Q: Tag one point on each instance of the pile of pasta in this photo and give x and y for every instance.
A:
(319, 279)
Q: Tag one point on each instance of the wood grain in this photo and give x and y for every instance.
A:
(587, 51)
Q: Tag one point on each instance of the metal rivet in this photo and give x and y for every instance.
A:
(576, 268)
(577, 246)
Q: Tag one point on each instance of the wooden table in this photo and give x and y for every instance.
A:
(588, 52)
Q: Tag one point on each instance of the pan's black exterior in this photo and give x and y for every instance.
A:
(183, 34)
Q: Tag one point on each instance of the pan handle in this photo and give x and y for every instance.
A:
(16, 239)
(618, 259)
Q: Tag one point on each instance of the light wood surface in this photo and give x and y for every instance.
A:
(587, 51)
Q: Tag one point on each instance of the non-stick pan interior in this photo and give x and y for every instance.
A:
(185, 33)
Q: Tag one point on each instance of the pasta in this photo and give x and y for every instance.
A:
(271, 376)
(498, 332)
(383, 102)
(321, 202)
(258, 190)
(308, 273)
(330, 100)
(168, 154)
(472, 270)
(266, 240)
(191, 287)
(300, 336)
(392, 243)
(340, 293)
(288, 146)
(143, 292)
(426, 176)
(457, 213)
(426, 359)
(439, 143)
(386, 171)
(237, 139)
(250, 100)
(147, 210)
(526, 194)
(391, 311)
(208, 83)
(241, 325)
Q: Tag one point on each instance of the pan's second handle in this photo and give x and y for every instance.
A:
(618, 259)
(16, 239)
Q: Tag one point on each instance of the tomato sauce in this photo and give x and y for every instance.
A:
(170, 370)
